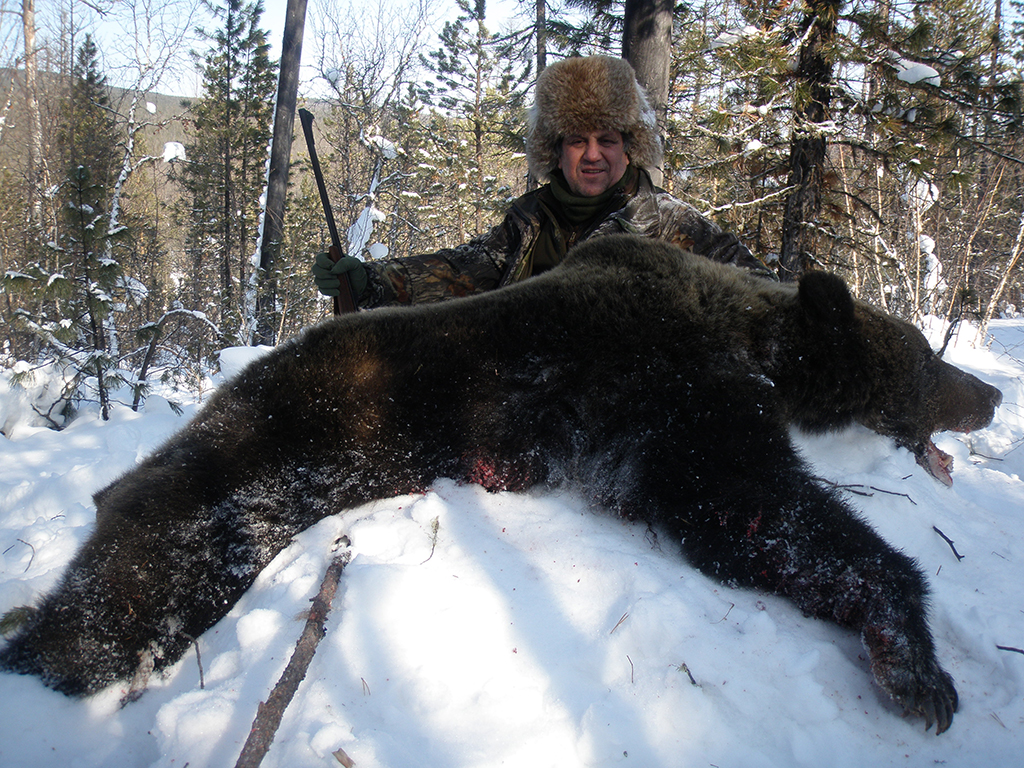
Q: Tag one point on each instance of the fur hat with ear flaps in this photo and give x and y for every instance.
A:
(580, 95)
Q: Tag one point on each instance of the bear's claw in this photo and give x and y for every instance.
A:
(905, 667)
(934, 699)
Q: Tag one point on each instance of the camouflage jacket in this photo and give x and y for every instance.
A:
(505, 254)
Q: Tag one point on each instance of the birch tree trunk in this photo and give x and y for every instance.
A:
(997, 294)
(37, 177)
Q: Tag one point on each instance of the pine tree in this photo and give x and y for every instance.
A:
(844, 116)
(85, 243)
(89, 131)
(76, 289)
(89, 139)
(812, 113)
(587, 26)
(223, 178)
(483, 93)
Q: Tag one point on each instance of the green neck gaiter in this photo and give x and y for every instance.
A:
(571, 212)
(579, 210)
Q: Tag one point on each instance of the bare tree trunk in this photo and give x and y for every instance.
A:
(964, 273)
(277, 176)
(988, 125)
(997, 294)
(36, 164)
(227, 303)
(848, 205)
(997, 34)
(647, 45)
(807, 148)
(541, 31)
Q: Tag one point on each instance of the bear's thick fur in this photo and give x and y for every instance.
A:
(655, 382)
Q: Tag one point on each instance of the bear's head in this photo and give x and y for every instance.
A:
(907, 391)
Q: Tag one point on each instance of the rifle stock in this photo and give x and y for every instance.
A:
(346, 300)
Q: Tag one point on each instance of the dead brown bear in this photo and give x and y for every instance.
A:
(657, 383)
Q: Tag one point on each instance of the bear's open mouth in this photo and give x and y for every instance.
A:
(938, 463)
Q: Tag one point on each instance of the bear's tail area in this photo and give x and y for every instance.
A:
(72, 663)
(131, 602)
(158, 570)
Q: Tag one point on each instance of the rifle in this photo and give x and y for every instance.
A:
(346, 300)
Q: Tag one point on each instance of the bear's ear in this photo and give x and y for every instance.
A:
(826, 299)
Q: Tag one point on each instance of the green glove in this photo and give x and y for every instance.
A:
(326, 273)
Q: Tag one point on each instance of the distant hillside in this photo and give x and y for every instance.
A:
(161, 111)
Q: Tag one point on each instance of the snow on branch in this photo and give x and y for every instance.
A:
(174, 150)
(735, 35)
(915, 73)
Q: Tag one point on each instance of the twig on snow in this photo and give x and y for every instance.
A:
(624, 617)
(683, 668)
(949, 541)
(856, 489)
(33, 554)
(199, 660)
(435, 525)
(894, 493)
(731, 606)
(863, 490)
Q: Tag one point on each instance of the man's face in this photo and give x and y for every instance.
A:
(593, 162)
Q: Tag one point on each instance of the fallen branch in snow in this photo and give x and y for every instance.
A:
(949, 541)
(199, 661)
(731, 606)
(973, 452)
(435, 526)
(624, 616)
(862, 490)
(854, 489)
(894, 493)
(683, 668)
(269, 713)
(33, 554)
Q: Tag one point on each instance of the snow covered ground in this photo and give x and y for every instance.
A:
(539, 632)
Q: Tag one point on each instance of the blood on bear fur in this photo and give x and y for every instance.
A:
(652, 381)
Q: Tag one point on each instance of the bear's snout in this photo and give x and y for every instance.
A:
(995, 399)
(991, 398)
(969, 403)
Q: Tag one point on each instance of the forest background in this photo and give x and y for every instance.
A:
(879, 139)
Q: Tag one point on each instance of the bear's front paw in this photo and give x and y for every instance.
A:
(923, 689)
